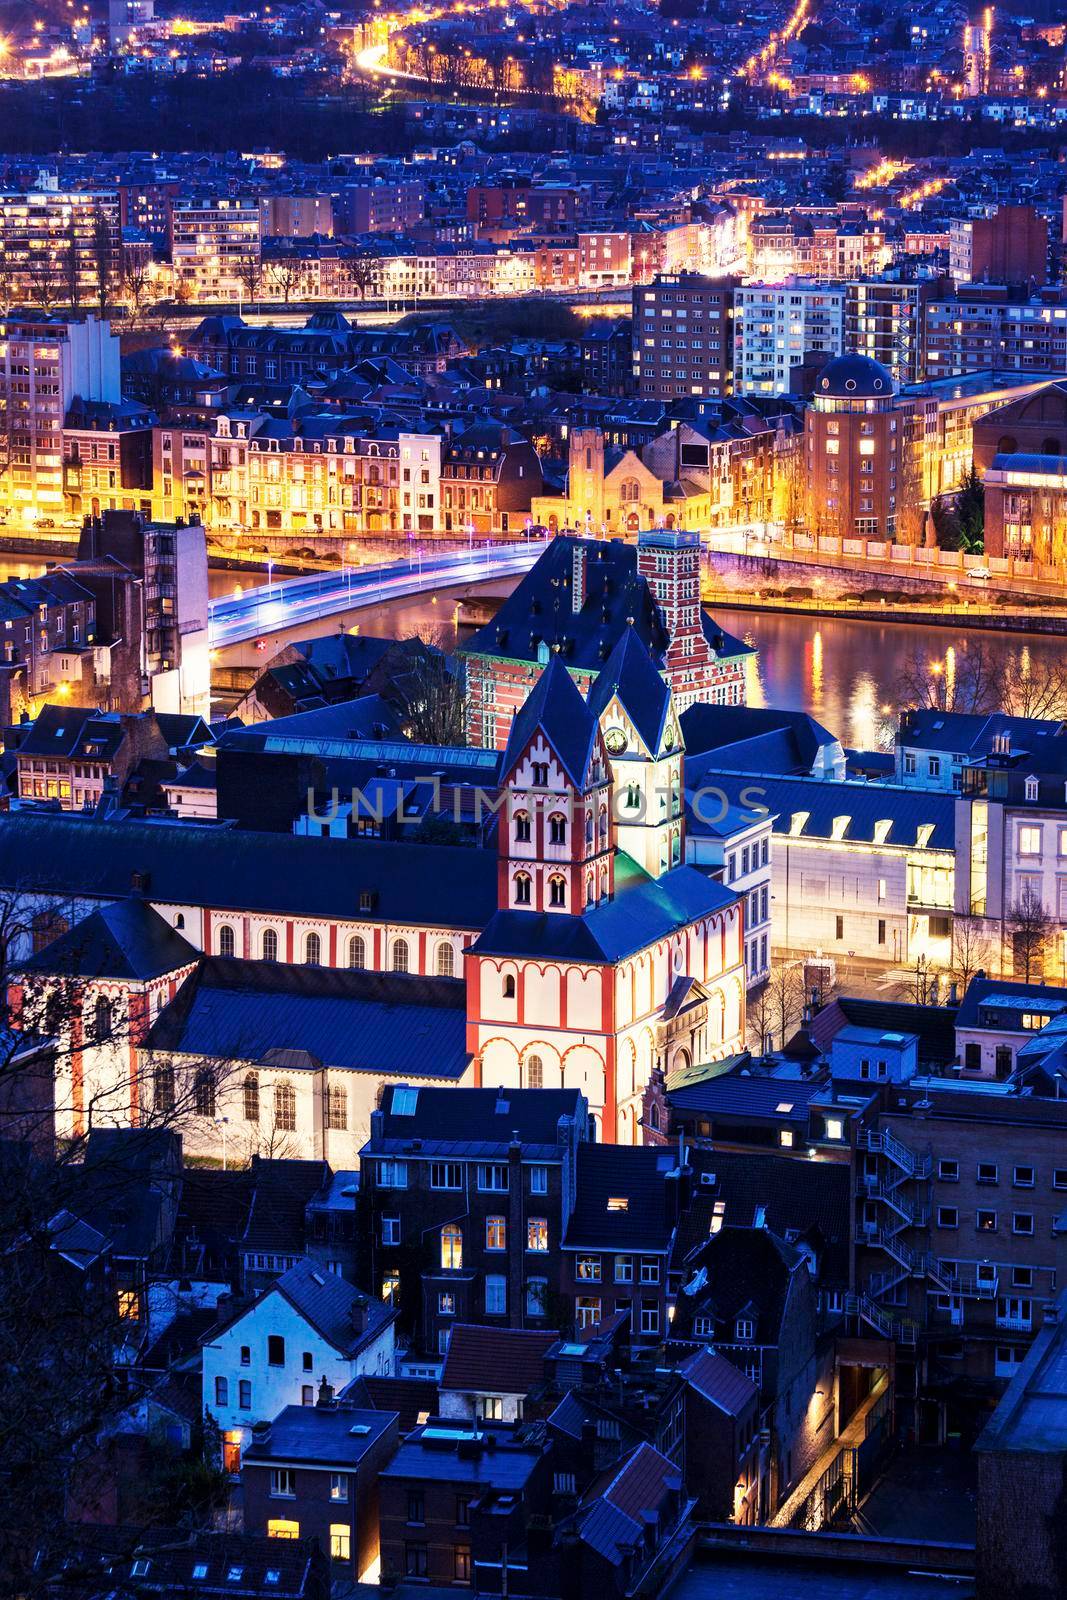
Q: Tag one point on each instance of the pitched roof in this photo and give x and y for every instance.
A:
(719, 1381)
(128, 939)
(429, 885)
(487, 1118)
(613, 1522)
(344, 1316)
(642, 911)
(556, 709)
(280, 1195)
(365, 1021)
(621, 1198)
(644, 693)
(503, 1360)
(935, 1026)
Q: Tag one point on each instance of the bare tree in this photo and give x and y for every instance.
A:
(360, 274)
(1029, 927)
(72, 263)
(434, 697)
(786, 998)
(136, 287)
(43, 279)
(971, 949)
(1033, 689)
(248, 270)
(284, 274)
(102, 258)
(966, 678)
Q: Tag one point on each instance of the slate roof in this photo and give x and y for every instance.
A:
(281, 1191)
(719, 1381)
(556, 709)
(498, 1360)
(323, 1436)
(934, 1025)
(735, 1094)
(983, 993)
(809, 1201)
(71, 855)
(69, 730)
(327, 1302)
(634, 1173)
(746, 1272)
(128, 939)
(612, 1521)
(974, 734)
(540, 608)
(630, 673)
(643, 911)
(489, 1118)
(380, 1022)
(168, 1561)
(409, 1398)
(710, 727)
(823, 800)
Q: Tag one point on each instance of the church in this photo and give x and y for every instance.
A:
(577, 602)
(269, 984)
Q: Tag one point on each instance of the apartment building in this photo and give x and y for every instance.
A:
(216, 248)
(982, 328)
(383, 206)
(861, 463)
(44, 363)
(60, 248)
(683, 336)
(776, 326)
(886, 323)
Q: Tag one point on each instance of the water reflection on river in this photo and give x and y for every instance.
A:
(846, 674)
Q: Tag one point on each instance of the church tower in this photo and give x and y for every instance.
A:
(585, 477)
(634, 706)
(557, 843)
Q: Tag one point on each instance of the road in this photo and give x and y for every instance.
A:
(272, 607)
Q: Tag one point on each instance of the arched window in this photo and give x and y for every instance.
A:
(653, 1115)
(603, 823)
(179, 921)
(1050, 447)
(557, 829)
(522, 888)
(226, 940)
(285, 1107)
(633, 796)
(336, 1107)
(557, 891)
(313, 951)
(522, 827)
(535, 1072)
(251, 1096)
(629, 489)
(204, 1093)
(589, 827)
(590, 892)
(508, 987)
(451, 1247)
(164, 1088)
(446, 959)
(357, 952)
(1006, 445)
(400, 955)
(102, 1020)
(270, 945)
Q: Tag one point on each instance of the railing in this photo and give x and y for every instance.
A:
(232, 618)
(880, 1141)
(902, 1329)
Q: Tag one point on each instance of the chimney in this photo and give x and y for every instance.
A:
(358, 1316)
(326, 1400)
(261, 1432)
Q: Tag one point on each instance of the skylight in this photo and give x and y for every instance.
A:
(784, 1106)
(618, 1202)
(404, 1102)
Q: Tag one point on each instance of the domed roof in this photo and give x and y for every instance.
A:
(854, 378)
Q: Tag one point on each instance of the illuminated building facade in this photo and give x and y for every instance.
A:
(858, 449)
(216, 248)
(60, 249)
(885, 321)
(44, 363)
(777, 325)
(683, 336)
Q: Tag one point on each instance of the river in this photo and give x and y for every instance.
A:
(845, 674)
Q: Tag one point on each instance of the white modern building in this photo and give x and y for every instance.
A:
(777, 325)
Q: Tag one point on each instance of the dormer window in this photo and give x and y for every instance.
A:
(745, 1330)
(1031, 788)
